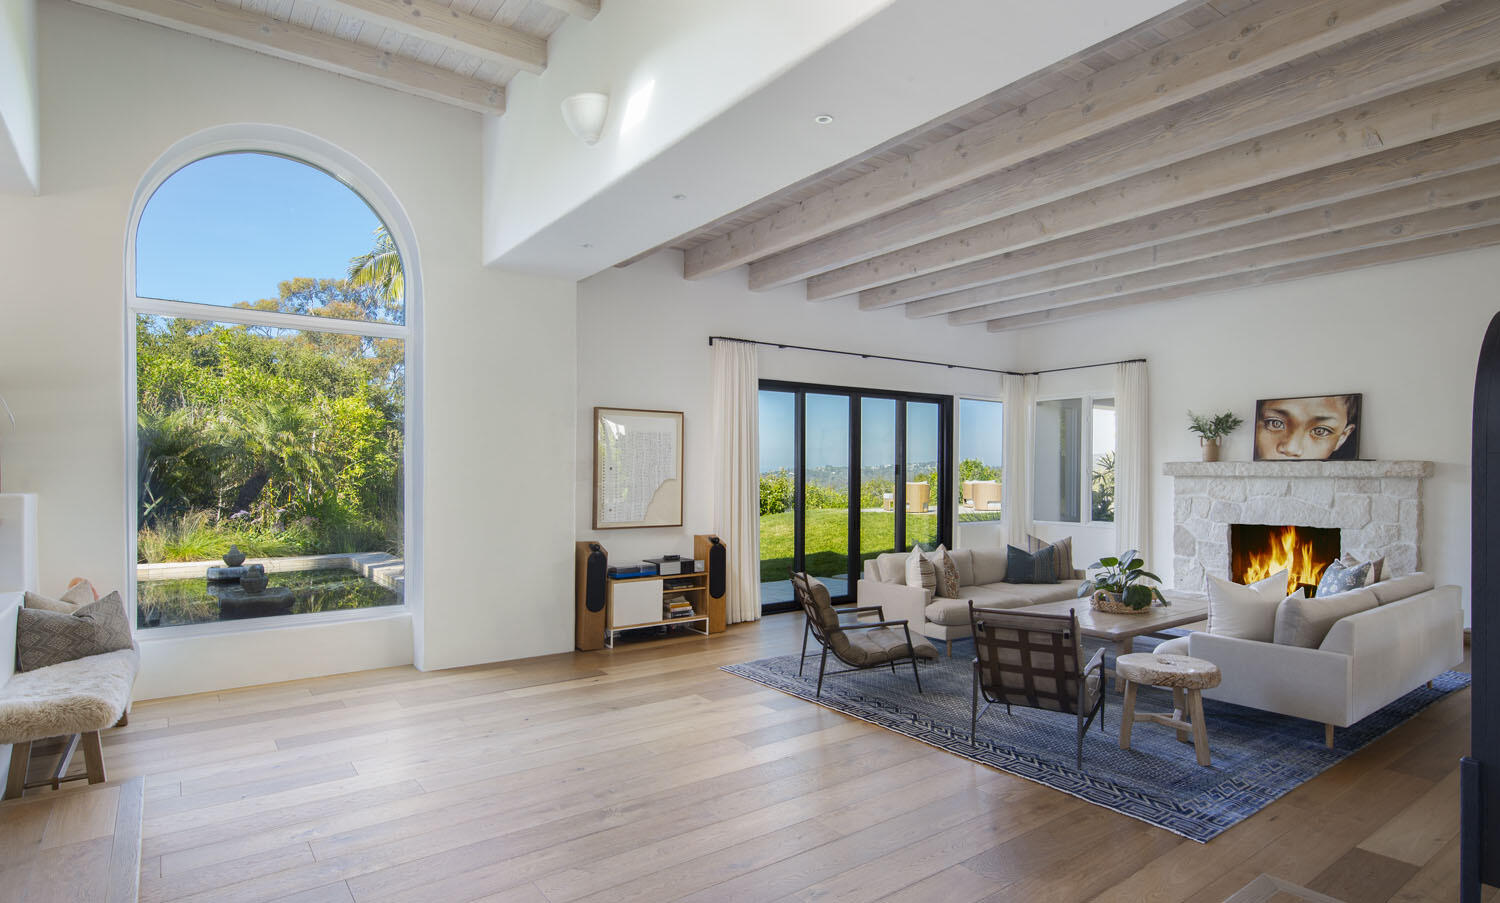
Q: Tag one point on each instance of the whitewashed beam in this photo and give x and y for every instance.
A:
(1376, 208)
(1431, 159)
(1251, 41)
(1472, 215)
(1345, 79)
(1412, 250)
(449, 28)
(583, 9)
(311, 48)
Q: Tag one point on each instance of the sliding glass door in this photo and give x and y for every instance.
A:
(846, 474)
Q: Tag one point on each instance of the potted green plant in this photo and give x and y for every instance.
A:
(1117, 585)
(1211, 430)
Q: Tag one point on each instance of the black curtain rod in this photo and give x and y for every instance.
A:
(908, 360)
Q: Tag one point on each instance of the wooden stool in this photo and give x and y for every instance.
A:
(1187, 677)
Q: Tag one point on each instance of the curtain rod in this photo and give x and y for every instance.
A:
(909, 360)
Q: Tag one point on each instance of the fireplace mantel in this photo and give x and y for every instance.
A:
(1376, 506)
(1299, 469)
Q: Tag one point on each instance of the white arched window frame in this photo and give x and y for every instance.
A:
(301, 147)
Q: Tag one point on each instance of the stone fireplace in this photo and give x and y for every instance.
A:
(1376, 507)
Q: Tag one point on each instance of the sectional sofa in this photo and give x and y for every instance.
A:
(981, 577)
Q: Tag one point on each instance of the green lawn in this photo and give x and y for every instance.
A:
(828, 539)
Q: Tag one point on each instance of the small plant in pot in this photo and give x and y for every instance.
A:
(1117, 585)
(1212, 430)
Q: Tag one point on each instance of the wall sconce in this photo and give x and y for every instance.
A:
(584, 115)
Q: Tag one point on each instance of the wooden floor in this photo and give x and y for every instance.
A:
(646, 774)
(83, 845)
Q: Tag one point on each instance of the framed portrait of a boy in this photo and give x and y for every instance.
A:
(1308, 428)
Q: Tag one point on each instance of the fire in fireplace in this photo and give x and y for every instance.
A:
(1256, 551)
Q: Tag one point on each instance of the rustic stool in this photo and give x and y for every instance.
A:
(1187, 677)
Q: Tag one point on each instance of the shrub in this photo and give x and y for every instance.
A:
(775, 492)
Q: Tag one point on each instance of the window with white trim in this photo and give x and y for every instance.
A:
(1073, 453)
(270, 354)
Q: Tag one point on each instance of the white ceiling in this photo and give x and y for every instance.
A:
(732, 106)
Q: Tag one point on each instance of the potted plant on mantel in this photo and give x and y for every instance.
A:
(1211, 430)
(1118, 589)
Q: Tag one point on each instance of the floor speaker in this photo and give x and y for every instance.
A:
(592, 592)
(715, 557)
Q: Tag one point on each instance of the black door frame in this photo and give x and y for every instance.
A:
(855, 394)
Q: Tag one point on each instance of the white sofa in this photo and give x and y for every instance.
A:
(981, 577)
(1368, 660)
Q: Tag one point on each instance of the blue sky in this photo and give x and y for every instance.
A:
(229, 228)
(828, 431)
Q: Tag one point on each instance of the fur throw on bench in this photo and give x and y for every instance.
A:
(87, 694)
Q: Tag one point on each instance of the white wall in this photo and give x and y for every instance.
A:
(643, 343)
(20, 146)
(1406, 335)
(499, 347)
(715, 101)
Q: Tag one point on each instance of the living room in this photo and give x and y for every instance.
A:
(424, 746)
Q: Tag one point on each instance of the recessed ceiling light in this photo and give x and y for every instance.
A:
(822, 119)
(679, 197)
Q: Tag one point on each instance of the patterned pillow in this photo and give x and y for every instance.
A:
(1062, 554)
(1377, 568)
(51, 637)
(919, 571)
(1031, 567)
(1340, 578)
(946, 572)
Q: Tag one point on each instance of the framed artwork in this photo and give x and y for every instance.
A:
(1308, 428)
(637, 468)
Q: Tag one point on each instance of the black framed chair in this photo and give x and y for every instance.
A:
(1033, 660)
(861, 645)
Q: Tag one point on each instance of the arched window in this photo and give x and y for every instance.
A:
(270, 360)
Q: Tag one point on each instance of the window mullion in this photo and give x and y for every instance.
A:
(240, 316)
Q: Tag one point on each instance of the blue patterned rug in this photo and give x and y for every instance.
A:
(1257, 756)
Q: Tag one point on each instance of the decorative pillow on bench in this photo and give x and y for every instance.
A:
(51, 637)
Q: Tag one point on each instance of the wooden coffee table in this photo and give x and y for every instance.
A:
(1121, 630)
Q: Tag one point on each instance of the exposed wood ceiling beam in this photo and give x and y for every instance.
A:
(1339, 82)
(938, 292)
(1393, 231)
(312, 48)
(1427, 247)
(583, 9)
(1403, 201)
(449, 28)
(1252, 41)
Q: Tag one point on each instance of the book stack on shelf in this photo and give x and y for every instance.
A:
(677, 607)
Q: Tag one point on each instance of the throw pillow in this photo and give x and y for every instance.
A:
(1377, 568)
(1062, 554)
(920, 572)
(1306, 622)
(79, 593)
(1030, 567)
(51, 637)
(946, 572)
(1341, 579)
(1246, 612)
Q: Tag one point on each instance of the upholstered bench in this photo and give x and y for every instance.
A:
(75, 699)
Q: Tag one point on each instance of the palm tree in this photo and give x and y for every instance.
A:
(380, 268)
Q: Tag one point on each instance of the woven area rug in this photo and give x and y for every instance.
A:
(1257, 756)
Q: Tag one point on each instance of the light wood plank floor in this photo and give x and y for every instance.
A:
(645, 774)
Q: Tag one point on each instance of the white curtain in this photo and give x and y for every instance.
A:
(1020, 415)
(1132, 460)
(736, 416)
